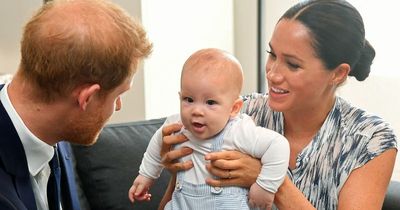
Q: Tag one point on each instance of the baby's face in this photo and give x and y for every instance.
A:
(206, 103)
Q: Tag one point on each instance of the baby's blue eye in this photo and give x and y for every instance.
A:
(211, 102)
(187, 99)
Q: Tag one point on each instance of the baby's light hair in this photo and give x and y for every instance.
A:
(216, 61)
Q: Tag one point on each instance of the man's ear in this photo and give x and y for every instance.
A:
(340, 74)
(86, 94)
(237, 106)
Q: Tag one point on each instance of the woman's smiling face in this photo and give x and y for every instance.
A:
(297, 78)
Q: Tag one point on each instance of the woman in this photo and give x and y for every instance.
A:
(341, 156)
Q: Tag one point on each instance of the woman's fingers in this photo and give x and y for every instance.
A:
(171, 128)
(173, 155)
(169, 139)
(168, 142)
(218, 172)
(169, 157)
(174, 139)
(175, 167)
(226, 160)
(233, 168)
(226, 155)
(227, 164)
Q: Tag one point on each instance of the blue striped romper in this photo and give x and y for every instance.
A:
(189, 196)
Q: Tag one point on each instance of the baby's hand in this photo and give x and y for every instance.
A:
(260, 198)
(140, 189)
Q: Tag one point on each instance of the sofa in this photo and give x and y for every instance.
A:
(105, 170)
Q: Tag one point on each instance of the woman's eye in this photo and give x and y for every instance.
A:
(211, 102)
(293, 65)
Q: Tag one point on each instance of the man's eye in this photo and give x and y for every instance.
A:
(211, 102)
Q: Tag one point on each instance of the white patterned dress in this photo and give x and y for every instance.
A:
(348, 139)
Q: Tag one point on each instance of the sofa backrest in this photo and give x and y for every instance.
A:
(107, 169)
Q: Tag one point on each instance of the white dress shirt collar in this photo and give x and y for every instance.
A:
(38, 153)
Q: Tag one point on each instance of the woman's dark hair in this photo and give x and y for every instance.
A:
(337, 33)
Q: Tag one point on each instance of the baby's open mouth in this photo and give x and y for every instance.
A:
(197, 125)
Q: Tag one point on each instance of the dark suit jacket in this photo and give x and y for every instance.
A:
(15, 185)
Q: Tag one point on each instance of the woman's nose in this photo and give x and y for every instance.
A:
(273, 72)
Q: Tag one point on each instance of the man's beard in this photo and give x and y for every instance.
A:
(86, 129)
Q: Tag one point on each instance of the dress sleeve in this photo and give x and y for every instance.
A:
(381, 138)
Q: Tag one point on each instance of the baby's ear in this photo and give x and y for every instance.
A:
(237, 106)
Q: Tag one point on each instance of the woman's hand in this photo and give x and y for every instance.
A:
(169, 157)
(234, 169)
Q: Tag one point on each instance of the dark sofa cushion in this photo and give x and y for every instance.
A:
(392, 198)
(108, 168)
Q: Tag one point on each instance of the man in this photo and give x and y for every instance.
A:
(77, 58)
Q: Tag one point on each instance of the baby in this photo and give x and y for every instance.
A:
(210, 103)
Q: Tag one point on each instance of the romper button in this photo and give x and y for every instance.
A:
(178, 186)
(216, 190)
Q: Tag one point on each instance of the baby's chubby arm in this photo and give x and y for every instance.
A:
(140, 189)
(150, 168)
(274, 159)
(273, 150)
(151, 165)
(260, 198)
